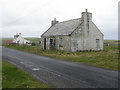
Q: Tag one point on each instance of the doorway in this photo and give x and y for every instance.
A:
(52, 43)
(44, 43)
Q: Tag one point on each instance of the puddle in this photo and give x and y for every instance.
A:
(35, 69)
(21, 62)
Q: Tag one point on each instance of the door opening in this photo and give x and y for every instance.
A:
(52, 43)
(44, 43)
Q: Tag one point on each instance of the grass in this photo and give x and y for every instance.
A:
(14, 77)
(34, 40)
(106, 59)
(0, 41)
(112, 42)
(0, 73)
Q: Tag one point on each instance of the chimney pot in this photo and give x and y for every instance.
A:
(54, 22)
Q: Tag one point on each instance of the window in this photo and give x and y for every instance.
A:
(51, 41)
(97, 43)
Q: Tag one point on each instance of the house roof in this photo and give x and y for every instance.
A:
(63, 28)
(9, 41)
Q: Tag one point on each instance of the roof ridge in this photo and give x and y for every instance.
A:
(69, 20)
(63, 28)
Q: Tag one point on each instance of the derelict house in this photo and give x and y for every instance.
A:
(73, 35)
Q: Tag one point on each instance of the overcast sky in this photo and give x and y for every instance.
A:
(33, 17)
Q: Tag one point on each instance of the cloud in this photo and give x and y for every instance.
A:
(33, 17)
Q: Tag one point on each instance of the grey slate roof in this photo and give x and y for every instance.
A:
(63, 28)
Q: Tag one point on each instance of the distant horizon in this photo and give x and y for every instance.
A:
(40, 37)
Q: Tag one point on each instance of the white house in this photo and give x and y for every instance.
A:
(18, 39)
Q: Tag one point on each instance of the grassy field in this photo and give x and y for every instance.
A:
(0, 41)
(34, 40)
(111, 42)
(0, 73)
(14, 77)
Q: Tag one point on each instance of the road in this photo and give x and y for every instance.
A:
(60, 73)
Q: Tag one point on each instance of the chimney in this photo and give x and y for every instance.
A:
(19, 33)
(86, 16)
(86, 19)
(53, 22)
(15, 36)
(85, 10)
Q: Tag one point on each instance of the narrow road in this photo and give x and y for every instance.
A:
(61, 74)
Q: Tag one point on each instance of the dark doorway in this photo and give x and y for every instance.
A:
(52, 43)
(44, 43)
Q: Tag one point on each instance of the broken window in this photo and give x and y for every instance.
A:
(51, 41)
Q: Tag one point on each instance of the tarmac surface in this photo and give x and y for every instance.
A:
(60, 73)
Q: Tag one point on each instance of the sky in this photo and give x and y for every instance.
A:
(119, 20)
(33, 17)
